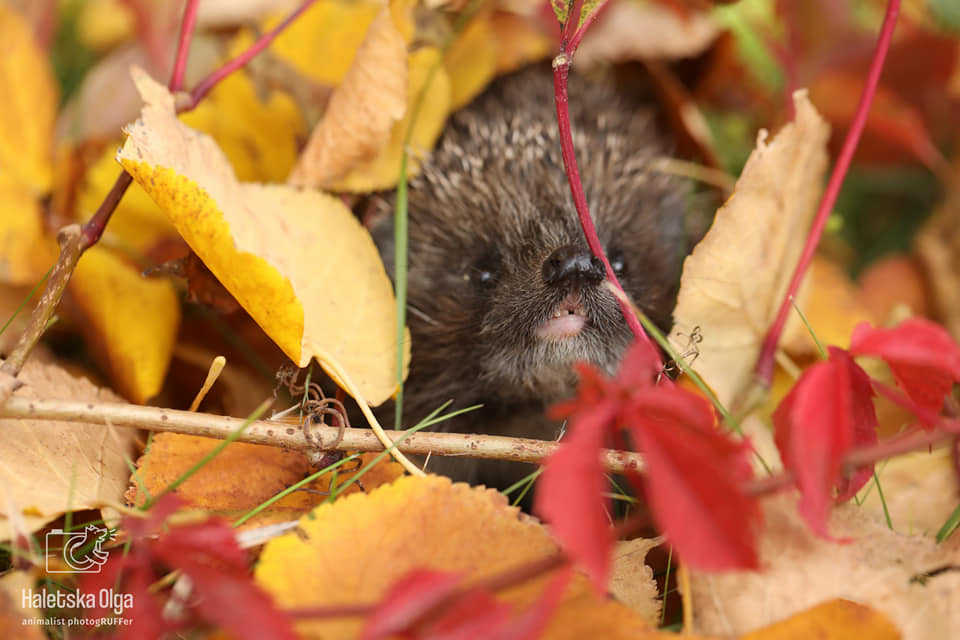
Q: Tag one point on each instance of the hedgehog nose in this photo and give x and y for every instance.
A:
(572, 265)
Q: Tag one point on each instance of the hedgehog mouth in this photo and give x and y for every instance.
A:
(569, 318)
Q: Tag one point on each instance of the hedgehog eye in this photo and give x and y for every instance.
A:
(617, 262)
(484, 271)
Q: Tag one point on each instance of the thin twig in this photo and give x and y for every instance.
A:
(764, 368)
(187, 25)
(290, 436)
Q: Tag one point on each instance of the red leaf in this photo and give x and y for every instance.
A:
(208, 553)
(924, 359)
(864, 422)
(409, 599)
(532, 622)
(695, 476)
(570, 492)
(814, 430)
(476, 615)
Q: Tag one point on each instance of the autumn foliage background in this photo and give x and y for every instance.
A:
(822, 499)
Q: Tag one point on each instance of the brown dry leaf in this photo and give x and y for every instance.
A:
(649, 30)
(352, 551)
(881, 569)
(130, 322)
(297, 260)
(362, 110)
(383, 171)
(833, 307)
(631, 579)
(48, 468)
(835, 620)
(241, 477)
(735, 279)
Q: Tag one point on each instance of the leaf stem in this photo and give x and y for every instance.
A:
(207, 84)
(561, 72)
(187, 25)
(764, 368)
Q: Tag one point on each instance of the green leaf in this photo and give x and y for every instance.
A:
(588, 7)
(562, 9)
(946, 13)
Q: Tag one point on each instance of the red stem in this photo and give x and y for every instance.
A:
(93, 228)
(561, 71)
(764, 369)
(183, 45)
(204, 86)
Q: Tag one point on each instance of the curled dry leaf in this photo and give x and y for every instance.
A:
(735, 279)
(297, 260)
(354, 550)
(631, 579)
(383, 170)
(48, 468)
(885, 570)
(362, 111)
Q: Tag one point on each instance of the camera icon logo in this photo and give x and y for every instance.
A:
(80, 550)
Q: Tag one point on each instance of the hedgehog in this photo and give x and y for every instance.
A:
(503, 293)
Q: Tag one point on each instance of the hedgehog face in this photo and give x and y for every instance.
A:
(503, 293)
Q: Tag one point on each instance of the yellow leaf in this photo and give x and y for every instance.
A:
(28, 107)
(102, 24)
(261, 138)
(362, 111)
(48, 468)
(353, 550)
(25, 252)
(323, 41)
(130, 321)
(471, 60)
(736, 278)
(383, 171)
(297, 260)
(834, 620)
